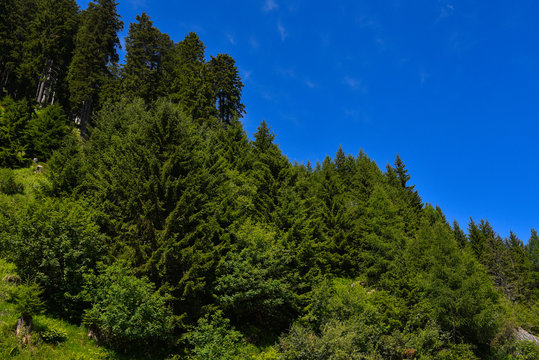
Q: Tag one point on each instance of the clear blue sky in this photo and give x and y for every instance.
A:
(452, 86)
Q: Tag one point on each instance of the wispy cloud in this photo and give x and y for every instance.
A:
(254, 43)
(230, 38)
(446, 10)
(282, 31)
(137, 3)
(246, 75)
(354, 83)
(270, 5)
(310, 84)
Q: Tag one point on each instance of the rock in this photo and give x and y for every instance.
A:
(38, 169)
(35, 160)
(522, 335)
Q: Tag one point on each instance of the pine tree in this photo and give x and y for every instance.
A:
(533, 254)
(477, 239)
(227, 88)
(47, 52)
(192, 86)
(459, 234)
(95, 48)
(15, 17)
(146, 49)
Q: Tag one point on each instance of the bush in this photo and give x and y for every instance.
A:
(45, 132)
(27, 299)
(8, 184)
(54, 242)
(126, 313)
(215, 339)
(53, 335)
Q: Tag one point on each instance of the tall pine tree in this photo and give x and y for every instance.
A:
(95, 48)
(146, 50)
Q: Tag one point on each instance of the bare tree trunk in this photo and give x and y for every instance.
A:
(45, 89)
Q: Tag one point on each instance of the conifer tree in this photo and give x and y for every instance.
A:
(48, 49)
(227, 88)
(95, 48)
(146, 49)
(15, 17)
(459, 234)
(192, 86)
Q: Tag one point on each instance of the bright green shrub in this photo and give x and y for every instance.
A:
(214, 338)
(54, 242)
(127, 313)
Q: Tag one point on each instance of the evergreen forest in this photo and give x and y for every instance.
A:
(139, 221)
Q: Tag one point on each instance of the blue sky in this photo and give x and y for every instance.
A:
(452, 86)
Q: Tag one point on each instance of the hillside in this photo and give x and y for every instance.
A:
(139, 220)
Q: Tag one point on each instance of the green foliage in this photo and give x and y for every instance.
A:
(27, 299)
(127, 313)
(13, 121)
(53, 335)
(191, 86)
(54, 242)
(95, 47)
(66, 168)
(147, 51)
(227, 88)
(214, 338)
(46, 131)
(8, 183)
(253, 284)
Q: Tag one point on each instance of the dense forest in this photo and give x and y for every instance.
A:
(136, 211)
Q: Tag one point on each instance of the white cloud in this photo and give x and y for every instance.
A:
(246, 75)
(137, 3)
(282, 31)
(355, 84)
(231, 39)
(253, 42)
(270, 5)
(446, 11)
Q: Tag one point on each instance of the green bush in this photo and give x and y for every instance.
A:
(27, 299)
(54, 242)
(127, 313)
(8, 184)
(214, 338)
(53, 335)
(45, 132)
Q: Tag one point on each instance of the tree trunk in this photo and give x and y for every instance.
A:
(83, 118)
(24, 326)
(45, 89)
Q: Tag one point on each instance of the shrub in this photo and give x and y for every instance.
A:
(27, 299)
(8, 184)
(215, 339)
(53, 335)
(126, 313)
